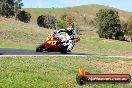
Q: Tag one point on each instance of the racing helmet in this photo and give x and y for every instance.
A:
(70, 30)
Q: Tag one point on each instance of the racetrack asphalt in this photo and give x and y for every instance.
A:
(9, 51)
(4, 52)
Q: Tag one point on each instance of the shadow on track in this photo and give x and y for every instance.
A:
(1, 53)
(6, 51)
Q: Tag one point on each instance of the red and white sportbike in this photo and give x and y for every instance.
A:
(62, 40)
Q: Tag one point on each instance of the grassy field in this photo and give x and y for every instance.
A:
(57, 72)
(94, 45)
(28, 36)
(20, 35)
(60, 72)
(15, 34)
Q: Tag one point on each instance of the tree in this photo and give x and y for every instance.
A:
(108, 23)
(46, 21)
(66, 21)
(64, 16)
(18, 5)
(129, 27)
(8, 8)
(40, 21)
(69, 20)
(119, 35)
(61, 24)
(23, 16)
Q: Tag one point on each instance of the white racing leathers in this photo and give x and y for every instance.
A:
(71, 41)
(70, 38)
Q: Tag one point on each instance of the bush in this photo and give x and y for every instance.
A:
(119, 35)
(123, 26)
(8, 8)
(69, 20)
(121, 38)
(61, 24)
(23, 16)
(41, 21)
(46, 21)
(66, 21)
(108, 23)
(129, 27)
(108, 34)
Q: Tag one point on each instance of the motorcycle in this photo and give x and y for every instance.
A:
(62, 40)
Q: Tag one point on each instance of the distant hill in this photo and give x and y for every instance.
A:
(16, 34)
(80, 12)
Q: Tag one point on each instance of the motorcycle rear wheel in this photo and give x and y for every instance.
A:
(40, 48)
(64, 49)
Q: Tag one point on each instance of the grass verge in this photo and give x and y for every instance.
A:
(48, 72)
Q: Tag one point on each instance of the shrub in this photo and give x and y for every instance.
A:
(8, 8)
(40, 21)
(108, 23)
(108, 34)
(46, 21)
(66, 21)
(119, 35)
(23, 16)
(129, 27)
(121, 38)
(61, 24)
(69, 20)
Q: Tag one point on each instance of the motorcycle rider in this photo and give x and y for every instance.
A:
(70, 37)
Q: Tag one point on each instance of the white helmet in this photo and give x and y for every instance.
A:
(70, 28)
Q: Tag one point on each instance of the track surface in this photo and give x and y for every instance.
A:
(6, 51)
(25, 52)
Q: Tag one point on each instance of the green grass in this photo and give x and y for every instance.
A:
(56, 72)
(28, 36)
(10, 44)
(94, 45)
(21, 35)
(15, 34)
(48, 72)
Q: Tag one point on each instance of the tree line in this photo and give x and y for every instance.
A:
(13, 8)
(107, 21)
(48, 21)
(110, 27)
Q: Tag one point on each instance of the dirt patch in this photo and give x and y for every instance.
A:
(129, 53)
(117, 67)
